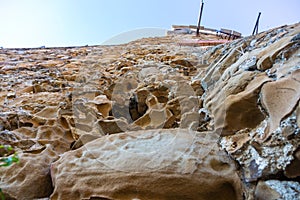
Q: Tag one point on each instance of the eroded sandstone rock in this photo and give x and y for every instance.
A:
(56, 99)
(30, 178)
(156, 164)
(280, 98)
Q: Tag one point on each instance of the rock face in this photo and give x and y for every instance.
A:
(147, 165)
(30, 178)
(273, 189)
(153, 119)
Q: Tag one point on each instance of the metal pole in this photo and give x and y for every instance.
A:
(200, 16)
(255, 30)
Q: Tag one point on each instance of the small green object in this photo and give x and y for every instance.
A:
(7, 161)
(6, 147)
(9, 148)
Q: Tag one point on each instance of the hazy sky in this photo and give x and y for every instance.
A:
(33, 23)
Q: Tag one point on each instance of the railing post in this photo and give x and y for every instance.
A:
(199, 21)
(255, 30)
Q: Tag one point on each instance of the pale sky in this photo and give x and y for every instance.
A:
(34, 23)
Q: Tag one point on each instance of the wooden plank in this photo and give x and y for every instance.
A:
(179, 26)
(210, 29)
(194, 27)
(226, 31)
(236, 34)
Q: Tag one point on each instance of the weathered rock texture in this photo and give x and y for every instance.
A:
(153, 119)
(154, 164)
(30, 178)
(273, 189)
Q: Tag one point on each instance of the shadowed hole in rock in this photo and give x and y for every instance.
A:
(98, 198)
(64, 123)
(224, 191)
(26, 124)
(133, 108)
(218, 165)
(45, 134)
(137, 107)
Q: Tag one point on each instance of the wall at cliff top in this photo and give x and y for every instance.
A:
(154, 120)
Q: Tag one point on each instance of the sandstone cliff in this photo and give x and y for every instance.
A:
(153, 119)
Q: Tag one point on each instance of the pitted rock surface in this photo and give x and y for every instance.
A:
(130, 165)
(128, 103)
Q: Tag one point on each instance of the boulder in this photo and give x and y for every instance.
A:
(153, 164)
